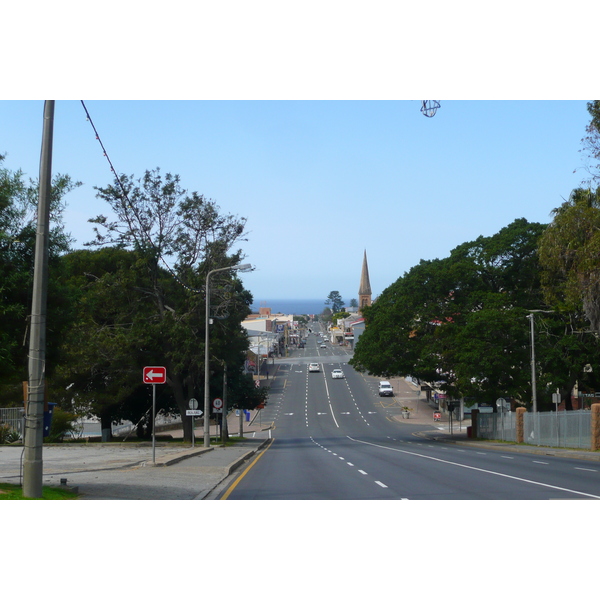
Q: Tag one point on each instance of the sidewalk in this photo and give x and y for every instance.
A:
(456, 433)
(130, 471)
(420, 413)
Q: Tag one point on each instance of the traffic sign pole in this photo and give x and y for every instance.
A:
(193, 404)
(154, 376)
(154, 423)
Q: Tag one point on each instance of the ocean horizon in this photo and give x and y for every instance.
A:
(291, 307)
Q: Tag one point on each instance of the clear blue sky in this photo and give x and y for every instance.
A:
(322, 181)
(307, 122)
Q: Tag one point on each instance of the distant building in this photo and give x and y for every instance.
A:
(364, 289)
(271, 334)
(357, 328)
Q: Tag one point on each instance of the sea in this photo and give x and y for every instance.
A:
(291, 307)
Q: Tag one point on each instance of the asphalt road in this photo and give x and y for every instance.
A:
(324, 439)
(337, 439)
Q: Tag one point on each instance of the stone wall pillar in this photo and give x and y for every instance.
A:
(595, 429)
(521, 425)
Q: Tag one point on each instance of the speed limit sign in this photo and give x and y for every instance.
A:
(217, 405)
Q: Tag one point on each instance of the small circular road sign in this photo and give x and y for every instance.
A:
(217, 403)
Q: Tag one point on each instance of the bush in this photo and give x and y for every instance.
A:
(62, 424)
(8, 435)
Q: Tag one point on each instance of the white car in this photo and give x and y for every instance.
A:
(385, 388)
(323, 345)
(337, 374)
(314, 368)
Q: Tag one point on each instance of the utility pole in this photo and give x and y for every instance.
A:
(34, 416)
(207, 322)
(533, 381)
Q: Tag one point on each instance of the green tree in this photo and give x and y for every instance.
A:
(569, 251)
(564, 349)
(343, 314)
(178, 238)
(335, 300)
(460, 321)
(18, 214)
(110, 338)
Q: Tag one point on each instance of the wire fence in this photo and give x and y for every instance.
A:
(497, 426)
(557, 429)
(14, 418)
(561, 429)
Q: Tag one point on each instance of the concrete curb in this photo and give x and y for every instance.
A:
(177, 458)
(231, 467)
(190, 453)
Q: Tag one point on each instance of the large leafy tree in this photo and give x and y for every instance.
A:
(177, 238)
(110, 338)
(565, 350)
(460, 321)
(18, 215)
(569, 251)
(570, 276)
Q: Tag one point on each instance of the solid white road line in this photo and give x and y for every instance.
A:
(448, 462)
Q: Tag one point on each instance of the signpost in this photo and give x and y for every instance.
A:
(193, 412)
(154, 376)
(217, 406)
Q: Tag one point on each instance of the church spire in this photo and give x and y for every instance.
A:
(364, 290)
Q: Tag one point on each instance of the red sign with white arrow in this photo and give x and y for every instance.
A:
(155, 375)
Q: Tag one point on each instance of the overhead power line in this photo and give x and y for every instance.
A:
(132, 207)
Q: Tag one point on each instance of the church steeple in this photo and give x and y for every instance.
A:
(364, 289)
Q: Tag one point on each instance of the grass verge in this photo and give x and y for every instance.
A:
(9, 491)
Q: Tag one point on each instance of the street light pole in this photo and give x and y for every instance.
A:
(533, 382)
(533, 379)
(246, 267)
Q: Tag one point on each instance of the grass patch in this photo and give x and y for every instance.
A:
(9, 491)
